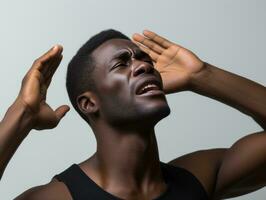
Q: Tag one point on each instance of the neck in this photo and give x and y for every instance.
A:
(126, 157)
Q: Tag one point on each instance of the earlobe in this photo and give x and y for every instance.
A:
(87, 103)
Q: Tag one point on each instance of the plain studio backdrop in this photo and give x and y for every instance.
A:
(228, 34)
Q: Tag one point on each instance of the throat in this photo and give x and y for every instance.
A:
(128, 160)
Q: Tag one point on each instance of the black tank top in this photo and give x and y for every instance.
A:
(181, 185)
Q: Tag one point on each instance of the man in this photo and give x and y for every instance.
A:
(114, 86)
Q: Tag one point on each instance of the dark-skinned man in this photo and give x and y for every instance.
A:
(114, 86)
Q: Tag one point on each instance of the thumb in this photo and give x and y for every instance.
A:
(61, 111)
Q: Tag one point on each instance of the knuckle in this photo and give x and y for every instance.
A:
(153, 46)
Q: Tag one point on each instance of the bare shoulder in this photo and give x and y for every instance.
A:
(54, 190)
(203, 164)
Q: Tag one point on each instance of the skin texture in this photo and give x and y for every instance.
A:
(138, 167)
(30, 110)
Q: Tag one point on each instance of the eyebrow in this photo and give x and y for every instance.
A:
(138, 53)
(125, 53)
(121, 54)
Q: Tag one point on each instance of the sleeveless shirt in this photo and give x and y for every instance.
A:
(181, 185)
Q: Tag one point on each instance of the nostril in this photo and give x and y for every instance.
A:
(140, 71)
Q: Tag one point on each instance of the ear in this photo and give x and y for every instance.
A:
(87, 103)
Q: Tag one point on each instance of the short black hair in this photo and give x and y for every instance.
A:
(79, 78)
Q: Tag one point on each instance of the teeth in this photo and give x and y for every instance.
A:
(148, 86)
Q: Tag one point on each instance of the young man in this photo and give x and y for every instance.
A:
(115, 87)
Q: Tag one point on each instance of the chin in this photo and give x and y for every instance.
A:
(140, 114)
(153, 115)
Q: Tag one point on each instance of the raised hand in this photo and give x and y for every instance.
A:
(175, 63)
(34, 89)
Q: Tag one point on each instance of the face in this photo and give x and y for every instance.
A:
(128, 87)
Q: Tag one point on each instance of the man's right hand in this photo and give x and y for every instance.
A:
(34, 89)
(30, 110)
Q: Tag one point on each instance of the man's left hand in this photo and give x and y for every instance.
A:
(175, 63)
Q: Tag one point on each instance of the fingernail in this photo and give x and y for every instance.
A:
(146, 31)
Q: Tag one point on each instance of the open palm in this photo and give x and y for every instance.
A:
(175, 63)
(34, 90)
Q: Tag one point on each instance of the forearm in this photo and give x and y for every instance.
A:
(14, 127)
(236, 91)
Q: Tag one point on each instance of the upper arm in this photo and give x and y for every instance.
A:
(53, 191)
(243, 168)
(229, 172)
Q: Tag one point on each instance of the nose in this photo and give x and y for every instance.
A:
(140, 67)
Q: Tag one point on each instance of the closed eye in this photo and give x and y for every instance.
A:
(119, 65)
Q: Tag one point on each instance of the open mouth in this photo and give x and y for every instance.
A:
(150, 88)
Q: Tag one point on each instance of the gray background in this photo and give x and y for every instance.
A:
(228, 34)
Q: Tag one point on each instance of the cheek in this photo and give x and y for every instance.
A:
(115, 87)
(114, 90)
(115, 97)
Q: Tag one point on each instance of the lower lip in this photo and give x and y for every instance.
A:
(152, 93)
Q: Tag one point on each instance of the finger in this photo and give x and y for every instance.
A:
(158, 39)
(154, 56)
(47, 76)
(148, 43)
(43, 91)
(61, 111)
(48, 57)
(47, 63)
(52, 69)
(53, 52)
